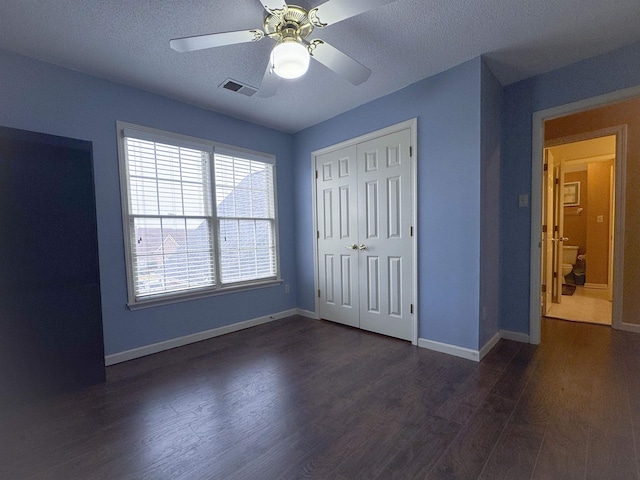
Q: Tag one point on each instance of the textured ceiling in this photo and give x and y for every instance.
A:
(403, 42)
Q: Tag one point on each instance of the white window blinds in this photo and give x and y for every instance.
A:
(246, 218)
(180, 239)
(170, 217)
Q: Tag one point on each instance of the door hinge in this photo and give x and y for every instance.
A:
(318, 293)
(546, 167)
(544, 288)
(316, 173)
(555, 274)
(557, 181)
(411, 231)
(411, 308)
(544, 229)
(318, 233)
(411, 151)
(555, 228)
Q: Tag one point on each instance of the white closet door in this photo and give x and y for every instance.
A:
(384, 235)
(337, 210)
(364, 212)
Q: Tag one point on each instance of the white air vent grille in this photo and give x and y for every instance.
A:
(238, 87)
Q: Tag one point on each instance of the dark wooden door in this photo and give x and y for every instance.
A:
(50, 310)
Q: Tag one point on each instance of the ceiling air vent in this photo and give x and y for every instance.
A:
(238, 87)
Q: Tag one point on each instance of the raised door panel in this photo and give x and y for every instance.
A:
(385, 240)
(336, 201)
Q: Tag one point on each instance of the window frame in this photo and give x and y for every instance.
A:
(151, 134)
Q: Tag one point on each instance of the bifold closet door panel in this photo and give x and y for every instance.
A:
(385, 212)
(364, 211)
(337, 216)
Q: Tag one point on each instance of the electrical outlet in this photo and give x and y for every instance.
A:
(286, 288)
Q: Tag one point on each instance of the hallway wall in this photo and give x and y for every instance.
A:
(575, 218)
(598, 235)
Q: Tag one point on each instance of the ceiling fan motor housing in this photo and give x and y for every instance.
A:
(293, 21)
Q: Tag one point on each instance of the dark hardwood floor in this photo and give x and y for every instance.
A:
(300, 398)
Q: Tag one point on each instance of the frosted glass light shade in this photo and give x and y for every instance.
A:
(290, 59)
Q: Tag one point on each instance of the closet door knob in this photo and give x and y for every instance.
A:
(352, 247)
(362, 246)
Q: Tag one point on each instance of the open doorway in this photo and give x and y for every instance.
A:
(578, 227)
(616, 113)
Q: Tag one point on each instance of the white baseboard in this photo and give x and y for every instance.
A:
(515, 336)
(489, 345)
(195, 337)
(597, 286)
(308, 314)
(468, 353)
(450, 349)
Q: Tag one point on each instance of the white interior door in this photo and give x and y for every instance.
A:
(558, 231)
(337, 217)
(364, 210)
(612, 227)
(385, 213)
(547, 232)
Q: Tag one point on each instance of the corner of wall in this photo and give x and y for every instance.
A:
(490, 138)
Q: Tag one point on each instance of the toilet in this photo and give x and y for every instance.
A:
(569, 258)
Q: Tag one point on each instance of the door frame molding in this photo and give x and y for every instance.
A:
(412, 125)
(537, 160)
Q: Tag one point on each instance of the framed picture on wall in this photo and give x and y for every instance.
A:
(571, 194)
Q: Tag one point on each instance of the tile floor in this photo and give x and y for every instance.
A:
(585, 305)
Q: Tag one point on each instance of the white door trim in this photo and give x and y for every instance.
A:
(412, 125)
(539, 118)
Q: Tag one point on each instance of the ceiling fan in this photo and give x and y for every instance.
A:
(290, 26)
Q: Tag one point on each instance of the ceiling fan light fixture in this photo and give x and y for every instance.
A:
(290, 59)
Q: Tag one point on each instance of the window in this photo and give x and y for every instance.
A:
(199, 218)
(246, 218)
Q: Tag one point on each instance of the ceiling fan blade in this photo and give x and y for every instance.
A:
(269, 84)
(339, 62)
(274, 6)
(334, 11)
(199, 42)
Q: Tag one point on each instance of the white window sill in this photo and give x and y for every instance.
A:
(168, 299)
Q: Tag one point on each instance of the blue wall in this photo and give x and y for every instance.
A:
(41, 97)
(596, 76)
(448, 110)
(491, 103)
(458, 177)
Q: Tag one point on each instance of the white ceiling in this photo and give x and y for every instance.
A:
(403, 42)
